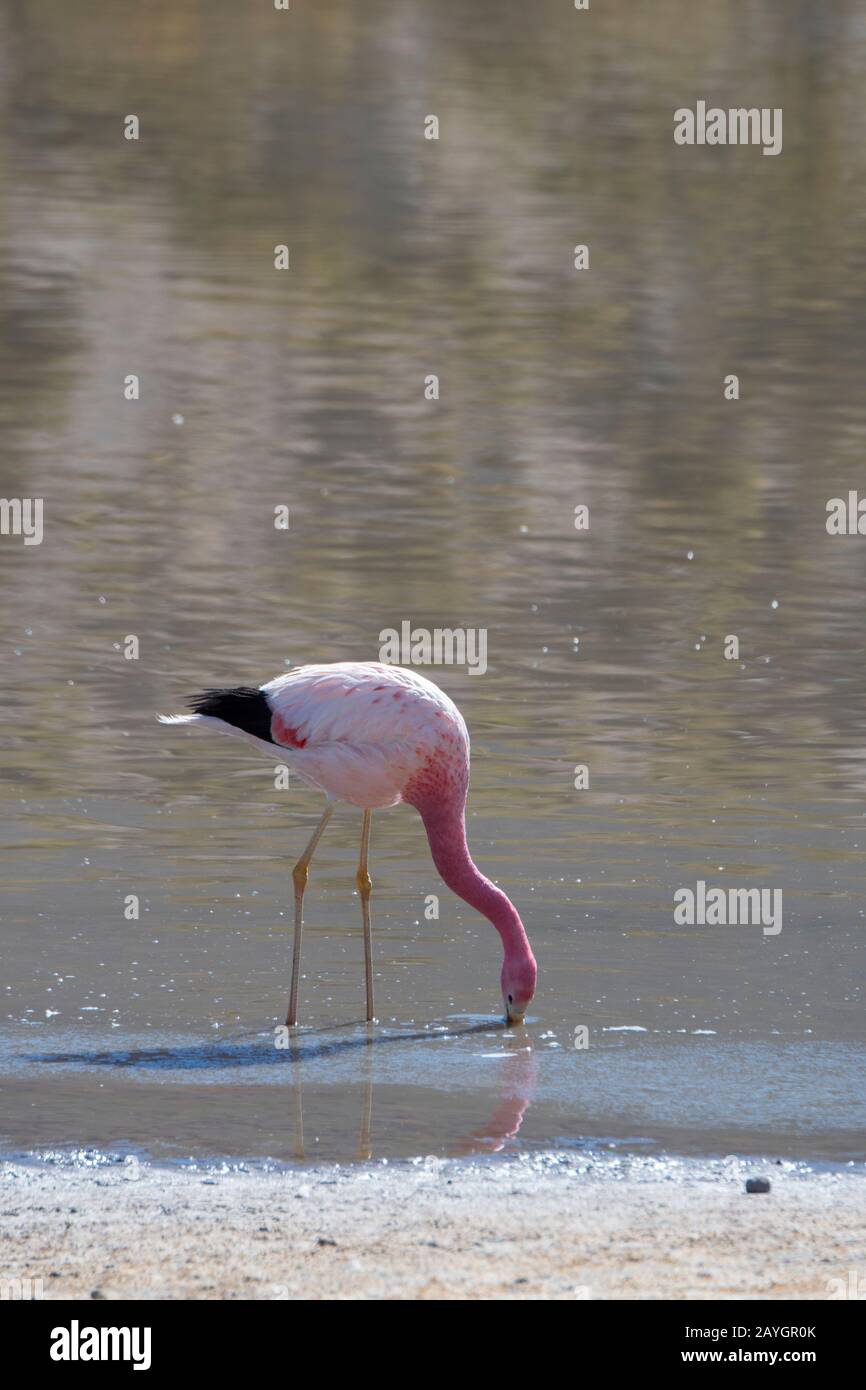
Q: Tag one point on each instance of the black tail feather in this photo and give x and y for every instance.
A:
(241, 705)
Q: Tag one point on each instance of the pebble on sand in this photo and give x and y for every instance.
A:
(757, 1184)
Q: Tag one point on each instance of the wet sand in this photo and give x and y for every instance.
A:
(549, 1227)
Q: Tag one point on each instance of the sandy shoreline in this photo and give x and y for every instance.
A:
(541, 1227)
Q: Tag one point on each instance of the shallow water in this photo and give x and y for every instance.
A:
(305, 388)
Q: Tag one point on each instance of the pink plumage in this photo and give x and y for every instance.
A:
(361, 731)
(375, 735)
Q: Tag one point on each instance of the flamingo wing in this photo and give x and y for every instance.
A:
(359, 731)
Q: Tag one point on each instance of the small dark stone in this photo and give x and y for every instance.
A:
(323, 1240)
(96, 1293)
(757, 1184)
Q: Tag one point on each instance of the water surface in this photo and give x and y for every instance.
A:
(305, 388)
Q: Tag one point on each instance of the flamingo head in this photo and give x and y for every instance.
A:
(518, 985)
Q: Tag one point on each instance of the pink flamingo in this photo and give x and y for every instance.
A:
(374, 735)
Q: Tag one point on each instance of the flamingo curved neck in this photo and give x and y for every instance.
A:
(446, 833)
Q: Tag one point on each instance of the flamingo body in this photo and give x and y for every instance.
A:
(375, 735)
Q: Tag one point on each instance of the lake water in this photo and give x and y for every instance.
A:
(558, 388)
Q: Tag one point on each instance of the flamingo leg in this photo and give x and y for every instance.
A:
(365, 885)
(300, 874)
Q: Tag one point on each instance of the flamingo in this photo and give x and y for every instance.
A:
(373, 736)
